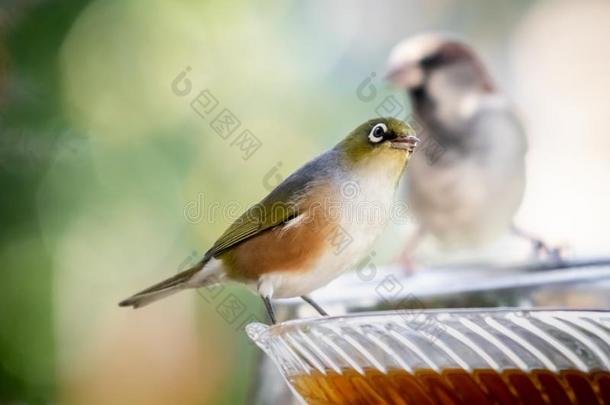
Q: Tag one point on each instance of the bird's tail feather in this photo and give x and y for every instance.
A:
(163, 289)
(141, 299)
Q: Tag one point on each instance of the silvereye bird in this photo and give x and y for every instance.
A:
(285, 246)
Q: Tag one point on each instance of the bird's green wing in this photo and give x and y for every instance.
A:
(265, 215)
(280, 206)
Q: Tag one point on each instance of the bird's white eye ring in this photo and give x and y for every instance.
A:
(377, 133)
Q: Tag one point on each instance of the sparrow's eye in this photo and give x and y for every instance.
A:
(431, 61)
(377, 133)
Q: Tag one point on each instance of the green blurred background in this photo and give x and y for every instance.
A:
(107, 176)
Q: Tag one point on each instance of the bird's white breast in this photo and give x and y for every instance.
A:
(365, 198)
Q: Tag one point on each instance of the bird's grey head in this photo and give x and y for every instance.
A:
(416, 63)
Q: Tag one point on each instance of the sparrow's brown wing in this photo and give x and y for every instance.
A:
(281, 205)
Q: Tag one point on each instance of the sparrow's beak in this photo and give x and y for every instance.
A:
(405, 75)
(407, 143)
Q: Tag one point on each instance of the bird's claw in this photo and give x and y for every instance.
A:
(553, 253)
(407, 263)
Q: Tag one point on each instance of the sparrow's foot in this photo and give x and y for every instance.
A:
(406, 260)
(540, 246)
(269, 309)
(314, 305)
(407, 263)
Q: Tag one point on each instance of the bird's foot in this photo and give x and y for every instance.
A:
(315, 305)
(543, 249)
(407, 263)
(406, 259)
(269, 309)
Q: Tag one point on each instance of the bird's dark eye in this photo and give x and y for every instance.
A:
(377, 133)
(431, 61)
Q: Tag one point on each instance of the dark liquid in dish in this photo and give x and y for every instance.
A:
(455, 386)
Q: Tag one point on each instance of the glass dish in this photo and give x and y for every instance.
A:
(485, 356)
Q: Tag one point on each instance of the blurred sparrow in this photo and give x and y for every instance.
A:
(467, 182)
(290, 244)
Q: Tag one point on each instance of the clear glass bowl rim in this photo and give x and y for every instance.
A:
(258, 331)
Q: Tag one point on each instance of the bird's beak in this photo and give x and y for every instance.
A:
(407, 143)
(409, 75)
